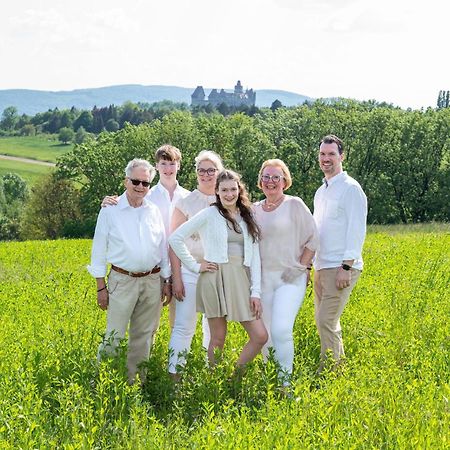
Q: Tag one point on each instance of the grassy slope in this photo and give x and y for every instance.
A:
(29, 172)
(394, 393)
(41, 147)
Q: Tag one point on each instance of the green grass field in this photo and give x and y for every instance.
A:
(40, 147)
(393, 394)
(29, 172)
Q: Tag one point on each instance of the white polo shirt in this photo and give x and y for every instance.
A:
(340, 212)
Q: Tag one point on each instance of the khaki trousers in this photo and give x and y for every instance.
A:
(329, 303)
(137, 302)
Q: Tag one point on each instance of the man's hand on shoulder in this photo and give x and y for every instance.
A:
(110, 200)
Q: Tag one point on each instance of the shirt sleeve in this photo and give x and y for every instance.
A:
(177, 239)
(163, 249)
(308, 228)
(355, 206)
(255, 272)
(98, 266)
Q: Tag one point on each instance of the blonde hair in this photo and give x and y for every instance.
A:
(209, 155)
(284, 168)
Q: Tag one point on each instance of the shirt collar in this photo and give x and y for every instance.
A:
(161, 188)
(335, 179)
(206, 196)
(123, 202)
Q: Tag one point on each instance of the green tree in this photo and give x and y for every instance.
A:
(28, 130)
(14, 188)
(275, 105)
(112, 125)
(66, 135)
(54, 205)
(13, 193)
(9, 118)
(81, 135)
(85, 120)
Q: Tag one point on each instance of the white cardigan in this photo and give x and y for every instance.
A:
(212, 228)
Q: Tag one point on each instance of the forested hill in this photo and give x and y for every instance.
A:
(31, 102)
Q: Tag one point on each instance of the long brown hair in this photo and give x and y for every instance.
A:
(243, 204)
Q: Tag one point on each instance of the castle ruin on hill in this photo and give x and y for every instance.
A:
(215, 98)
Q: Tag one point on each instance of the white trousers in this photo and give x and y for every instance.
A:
(281, 303)
(185, 323)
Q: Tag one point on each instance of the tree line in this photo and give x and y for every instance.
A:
(74, 125)
(400, 157)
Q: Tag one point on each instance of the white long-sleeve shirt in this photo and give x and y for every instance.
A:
(340, 212)
(212, 228)
(160, 196)
(130, 238)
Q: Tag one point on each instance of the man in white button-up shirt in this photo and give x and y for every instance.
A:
(340, 212)
(165, 195)
(131, 237)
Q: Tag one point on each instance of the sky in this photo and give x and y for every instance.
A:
(395, 51)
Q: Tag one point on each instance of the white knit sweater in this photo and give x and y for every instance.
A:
(212, 228)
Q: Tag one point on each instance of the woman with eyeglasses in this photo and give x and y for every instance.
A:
(288, 242)
(229, 285)
(184, 281)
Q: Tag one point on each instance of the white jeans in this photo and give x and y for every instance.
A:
(185, 323)
(281, 303)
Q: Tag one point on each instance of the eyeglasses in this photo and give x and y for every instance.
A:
(211, 171)
(138, 182)
(274, 178)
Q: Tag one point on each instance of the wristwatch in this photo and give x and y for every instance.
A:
(346, 266)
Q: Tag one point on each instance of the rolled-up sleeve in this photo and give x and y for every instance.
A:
(310, 232)
(98, 266)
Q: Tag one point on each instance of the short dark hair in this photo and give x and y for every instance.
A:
(332, 139)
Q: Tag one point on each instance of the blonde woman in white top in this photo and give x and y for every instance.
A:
(225, 289)
(288, 242)
(184, 281)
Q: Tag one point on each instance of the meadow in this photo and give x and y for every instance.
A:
(393, 392)
(29, 172)
(41, 147)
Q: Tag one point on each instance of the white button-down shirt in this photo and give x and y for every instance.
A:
(159, 195)
(133, 239)
(340, 212)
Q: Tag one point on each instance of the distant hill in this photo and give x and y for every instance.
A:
(31, 101)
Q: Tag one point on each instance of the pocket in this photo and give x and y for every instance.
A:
(114, 281)
(332, 209)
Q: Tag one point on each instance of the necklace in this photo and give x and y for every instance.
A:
(272, 205)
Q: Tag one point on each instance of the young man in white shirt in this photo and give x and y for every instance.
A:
(131, 237)
(166, 193)
(340, 212)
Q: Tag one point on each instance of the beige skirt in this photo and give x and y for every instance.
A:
(225, 292)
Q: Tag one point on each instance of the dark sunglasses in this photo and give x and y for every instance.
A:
(138, 182)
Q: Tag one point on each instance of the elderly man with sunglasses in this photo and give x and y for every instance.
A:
(131, 237)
